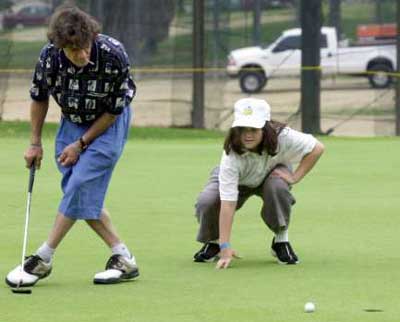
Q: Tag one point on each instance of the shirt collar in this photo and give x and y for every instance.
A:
(251, 153)
(94, 57)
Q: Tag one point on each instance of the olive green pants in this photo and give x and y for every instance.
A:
(275, 212)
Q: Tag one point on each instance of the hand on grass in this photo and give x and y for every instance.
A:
(226, 256)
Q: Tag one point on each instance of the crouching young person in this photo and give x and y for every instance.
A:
(258, 159)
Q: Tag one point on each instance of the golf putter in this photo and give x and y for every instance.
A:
(19, 289)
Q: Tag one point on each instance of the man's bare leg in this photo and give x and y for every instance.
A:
(61, 227)
(104, 228)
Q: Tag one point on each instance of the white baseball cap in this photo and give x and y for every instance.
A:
(251, 112)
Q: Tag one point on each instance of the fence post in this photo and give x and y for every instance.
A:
(198, 65)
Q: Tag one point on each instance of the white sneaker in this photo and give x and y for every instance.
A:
(118, 269)
(35, 269)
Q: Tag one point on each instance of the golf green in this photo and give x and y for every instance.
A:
(344, 228)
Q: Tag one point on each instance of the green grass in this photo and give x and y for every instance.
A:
(344, 228)
(19, 55)
(22, 130)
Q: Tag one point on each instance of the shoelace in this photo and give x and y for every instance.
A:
(208, 248)
(31, 263)
(112, 262)
(293, 253)
(289, 253)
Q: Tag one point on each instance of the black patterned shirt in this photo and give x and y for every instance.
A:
(104, 85)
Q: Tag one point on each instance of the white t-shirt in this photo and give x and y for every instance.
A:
(250, 169)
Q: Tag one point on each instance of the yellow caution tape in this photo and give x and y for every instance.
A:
(146, 70)
(311, 68)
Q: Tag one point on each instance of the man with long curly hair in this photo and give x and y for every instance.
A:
(88, 76)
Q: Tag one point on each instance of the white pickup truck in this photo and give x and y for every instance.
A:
(255, 65)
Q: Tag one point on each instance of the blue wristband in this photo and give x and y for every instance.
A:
(224, 245)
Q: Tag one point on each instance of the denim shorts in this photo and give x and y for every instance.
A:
(85, 183)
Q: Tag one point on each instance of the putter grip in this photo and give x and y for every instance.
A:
(31, 177)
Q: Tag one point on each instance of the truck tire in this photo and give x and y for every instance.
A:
(379, 79)
(252, 81)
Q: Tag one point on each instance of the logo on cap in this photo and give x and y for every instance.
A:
(248, 110)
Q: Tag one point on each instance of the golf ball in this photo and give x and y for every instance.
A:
(309, 307)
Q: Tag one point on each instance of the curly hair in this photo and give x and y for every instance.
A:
(70, 26)
(269, 141)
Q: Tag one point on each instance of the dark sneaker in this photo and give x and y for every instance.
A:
(284, 253)
(35, 269)
(208, 253)
(118, 269)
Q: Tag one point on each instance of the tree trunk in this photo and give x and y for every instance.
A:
(95, 8)
(311, 19)
(378, 11)
(56, 3)
(216, 32)
(122, 22)
(297, 13)
(335, 17)
(181, 6)
(256, 22)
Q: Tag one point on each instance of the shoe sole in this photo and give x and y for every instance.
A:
(210, 260)
(9, 283)
(273, 253)
(122, 278)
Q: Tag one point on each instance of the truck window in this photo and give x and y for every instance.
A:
(288, 43)
(294, 42)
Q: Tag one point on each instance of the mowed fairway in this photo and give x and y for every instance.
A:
(345, 229)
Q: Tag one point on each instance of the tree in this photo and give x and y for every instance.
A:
(256, 22)
(83, 4)
(5, 4)
(335, 17)
(140, 25)
(155, 23)
(56, 3)
(297, 13)
(181, 6)
(122, 22)
(378, 11)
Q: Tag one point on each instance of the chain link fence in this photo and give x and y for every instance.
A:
(158, 37)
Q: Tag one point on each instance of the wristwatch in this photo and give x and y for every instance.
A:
(83, 144)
